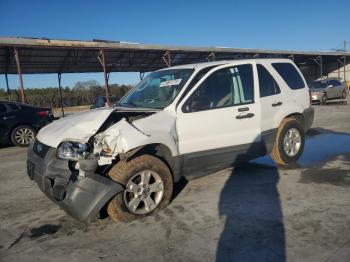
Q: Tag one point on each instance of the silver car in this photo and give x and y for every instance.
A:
(331, 88)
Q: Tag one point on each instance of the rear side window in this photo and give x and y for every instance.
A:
(290, 75)
(13, 107)
(334, 83)
(267, 84)
(2, 108)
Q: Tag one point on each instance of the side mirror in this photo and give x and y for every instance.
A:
(330, 86)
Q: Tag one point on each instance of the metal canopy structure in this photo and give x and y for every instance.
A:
(70, 56)
(39, 56)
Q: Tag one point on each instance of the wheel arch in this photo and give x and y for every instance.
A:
(299, 117)
(159, 150)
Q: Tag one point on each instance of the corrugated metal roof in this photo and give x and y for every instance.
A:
(73, 56)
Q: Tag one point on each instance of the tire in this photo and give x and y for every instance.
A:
(22, 135)
(124, 171)
(279, 154)
(343, 95)
(324, 99)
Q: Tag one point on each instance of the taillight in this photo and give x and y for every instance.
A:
(42, 113)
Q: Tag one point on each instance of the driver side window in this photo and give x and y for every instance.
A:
(223, 88)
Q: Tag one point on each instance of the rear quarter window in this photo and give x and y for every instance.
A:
(290, 75)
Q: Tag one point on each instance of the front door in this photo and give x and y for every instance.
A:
(218, 121)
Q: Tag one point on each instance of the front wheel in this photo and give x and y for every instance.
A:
(289, 142)
(343, 96)
(148, 187)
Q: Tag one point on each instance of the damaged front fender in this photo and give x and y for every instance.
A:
(124, 136)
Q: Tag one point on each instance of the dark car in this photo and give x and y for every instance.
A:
(19, 123)
(101, 101)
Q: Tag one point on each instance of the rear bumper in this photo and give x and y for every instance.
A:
(308, 118)
(81, 197)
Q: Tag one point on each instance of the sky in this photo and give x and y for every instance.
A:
(270, 24)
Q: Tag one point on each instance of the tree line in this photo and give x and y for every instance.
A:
(82, 93)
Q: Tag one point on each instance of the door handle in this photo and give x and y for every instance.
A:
(277, 104)
(249, 115)
(8, 117)
(243, 109)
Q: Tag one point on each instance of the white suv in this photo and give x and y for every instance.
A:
(188, 120)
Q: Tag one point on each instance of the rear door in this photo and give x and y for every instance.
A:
(219, 119)
(331, 89)
(337, 87)
(8, 118)
(271, 98)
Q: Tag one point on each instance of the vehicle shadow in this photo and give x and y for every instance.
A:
(254, 229)
(250, 202)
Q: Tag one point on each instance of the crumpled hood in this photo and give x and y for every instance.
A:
(76, 127)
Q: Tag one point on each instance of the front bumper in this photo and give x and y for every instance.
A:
(81, 197)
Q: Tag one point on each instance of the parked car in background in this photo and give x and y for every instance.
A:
(101, 101)
(331, 88)
(19, 123)
(182, 121)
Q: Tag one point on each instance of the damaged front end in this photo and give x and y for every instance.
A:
(81, 193)
(72, 174)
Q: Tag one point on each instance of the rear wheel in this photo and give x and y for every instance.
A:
(22, 135)
(148, 187)
(289, 142)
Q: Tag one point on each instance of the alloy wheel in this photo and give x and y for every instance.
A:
(143, 192)
(24, 136)
(292, 142)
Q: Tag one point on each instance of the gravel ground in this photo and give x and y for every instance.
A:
(254, 212)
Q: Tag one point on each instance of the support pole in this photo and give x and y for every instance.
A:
(321, 67)
(102, 60)
(7, 87)
(19, 70)
(141, 76)
(167, 58)
(211, 57)
(345, 69)
(318, 61)
(343, 64)
(60, 89)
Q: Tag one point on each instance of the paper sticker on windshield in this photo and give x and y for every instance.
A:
(174, 82)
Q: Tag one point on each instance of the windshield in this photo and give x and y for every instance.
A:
(319, 84)
(158, 89)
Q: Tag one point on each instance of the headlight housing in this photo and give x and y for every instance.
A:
(71, 150)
